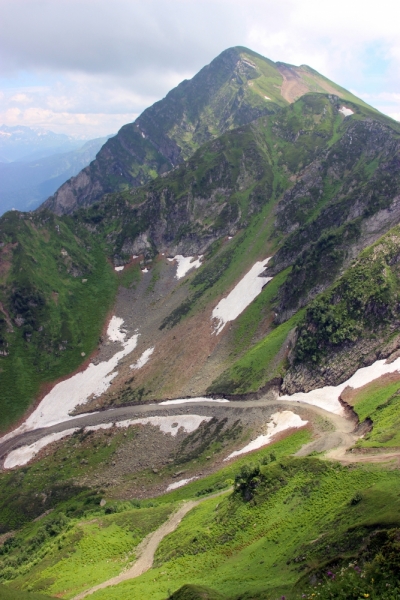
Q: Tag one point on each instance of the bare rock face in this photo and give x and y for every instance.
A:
(339, 365)
(168, 132)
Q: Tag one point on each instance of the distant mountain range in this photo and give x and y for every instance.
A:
(25, 144)
(26, 183)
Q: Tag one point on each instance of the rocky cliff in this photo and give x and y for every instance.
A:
(236, 88)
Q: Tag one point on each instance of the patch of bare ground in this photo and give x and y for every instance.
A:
(178, 357)
(6, 259)
(186, 358)
(147, 460)
(292, 86)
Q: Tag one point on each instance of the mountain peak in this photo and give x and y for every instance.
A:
(236, 88)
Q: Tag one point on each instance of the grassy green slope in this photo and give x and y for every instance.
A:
(55, 291)
(288, 522)
(69, 555)
(63, 550)
(379, 402)
(7, 594)
(303, 513)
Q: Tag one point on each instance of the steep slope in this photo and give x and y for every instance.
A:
(255, 183)
(235, 88)
(225, 182)
(287, 522)
(55, 290)
(290, 230)
(353, 323)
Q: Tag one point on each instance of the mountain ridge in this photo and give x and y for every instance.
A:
(225, 335)
(229, 92)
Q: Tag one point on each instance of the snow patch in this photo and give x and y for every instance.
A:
(328, 396)
(134, 256)
(119, 268)
(279, 422)
(67, 395)
(266, 97)
(180, 483)
(346, 111)
(114, 331)
(189, 400)
(143, 359)
(169, 424)
(145, 270)
(21, 456)
(185, 264)
(248, 288)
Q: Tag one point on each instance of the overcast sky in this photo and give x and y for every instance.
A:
(87, 67)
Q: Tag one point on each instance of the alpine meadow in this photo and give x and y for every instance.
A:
(200, 353)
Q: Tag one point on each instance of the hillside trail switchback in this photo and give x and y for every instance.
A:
(148, 547)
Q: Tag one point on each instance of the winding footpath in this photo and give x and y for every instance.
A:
(146, 550)
(148, 547)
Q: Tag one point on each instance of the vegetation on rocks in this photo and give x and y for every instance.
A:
(56, 288)
(232, 167)
(362, 302)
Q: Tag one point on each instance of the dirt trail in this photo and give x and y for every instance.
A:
(147, 548)
(339, 453)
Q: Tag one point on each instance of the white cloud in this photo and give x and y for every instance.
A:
(21, 98)
(88, 125)
(114, 59)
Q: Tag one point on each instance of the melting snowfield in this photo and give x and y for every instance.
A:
(67, 395)
(328, 396)
(180, 483)
(114, 331)
(280, 422)
(346, 111)
(21, 456)
(185, 264)
(119, 268)
(143, 359)
(189, 400)
(248, 288)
